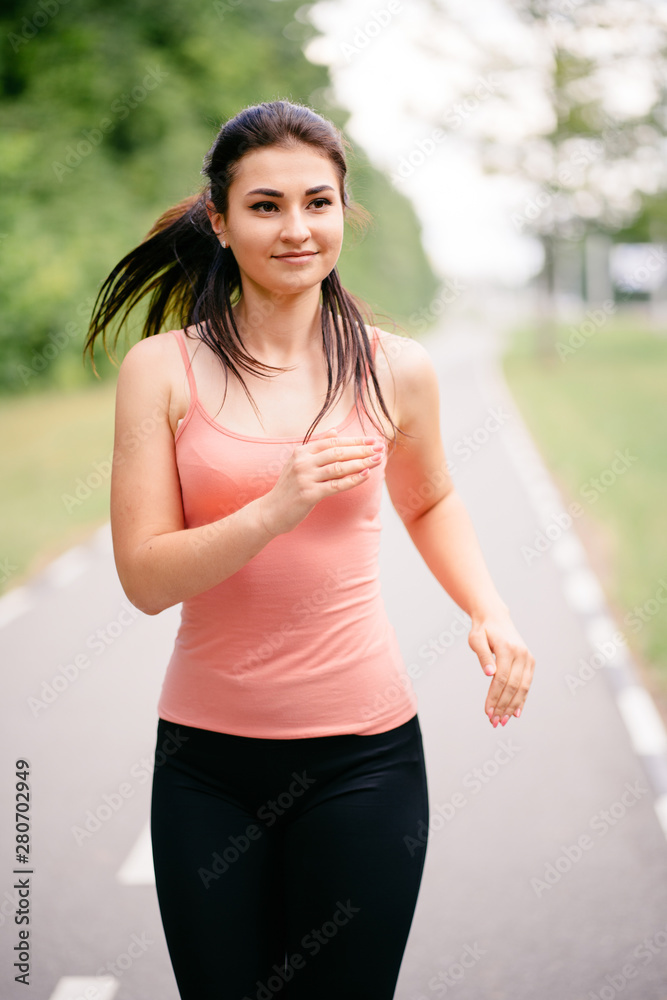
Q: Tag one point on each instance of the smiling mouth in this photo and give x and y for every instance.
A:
(283, 256)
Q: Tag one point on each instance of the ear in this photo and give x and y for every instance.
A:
(216, 219)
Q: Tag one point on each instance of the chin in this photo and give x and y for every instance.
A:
(301, 282)
(290, 283)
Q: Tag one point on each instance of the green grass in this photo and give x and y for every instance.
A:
(51, 439)
(608, 397)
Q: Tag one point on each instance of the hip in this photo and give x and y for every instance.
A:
(255, 771)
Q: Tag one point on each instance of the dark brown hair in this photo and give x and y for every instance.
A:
(192, 279)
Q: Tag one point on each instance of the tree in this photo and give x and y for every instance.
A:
(106, 111)
(596, 75)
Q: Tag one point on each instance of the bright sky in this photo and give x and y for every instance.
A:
(401, 79)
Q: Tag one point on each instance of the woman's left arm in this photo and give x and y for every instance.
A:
(423, 494)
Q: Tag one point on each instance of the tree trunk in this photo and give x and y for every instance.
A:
(546, 328)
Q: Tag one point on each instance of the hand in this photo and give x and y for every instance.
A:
(314, 471)
(513, 668)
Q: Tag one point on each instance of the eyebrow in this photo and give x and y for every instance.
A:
(279, 194)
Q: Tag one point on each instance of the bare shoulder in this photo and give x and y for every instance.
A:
(407, 375)
(153, 363)
(148, 378)
(149, 352)
(405, 358)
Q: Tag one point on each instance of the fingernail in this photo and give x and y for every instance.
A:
(504, 720)
(496, 720)
(518, 713)
(490, 711)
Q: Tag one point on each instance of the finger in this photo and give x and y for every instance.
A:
(515, 707)
(478, 641)
(334, 441)
(516, 684)
(479, 644)
(348, 467)
(512, 682)
(330, 440)
(503, 685)
(341, 458)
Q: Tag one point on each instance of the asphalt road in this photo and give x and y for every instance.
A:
(546, 864)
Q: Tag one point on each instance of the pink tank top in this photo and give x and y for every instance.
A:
(297, 642)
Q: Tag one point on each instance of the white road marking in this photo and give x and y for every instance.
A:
(583, 592)
(600, 631)
(581, 586)
(547, 497)
(68, 566)
(61, 571)
(86, 988)
(568, 552)
(14, 604)
(137, 869)
(661, 812)
(102, 539)
(642, 720)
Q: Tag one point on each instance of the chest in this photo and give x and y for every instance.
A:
(285, 403)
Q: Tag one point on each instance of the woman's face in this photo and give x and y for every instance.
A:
(283, 203)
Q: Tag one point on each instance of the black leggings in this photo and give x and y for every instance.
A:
(288, 868)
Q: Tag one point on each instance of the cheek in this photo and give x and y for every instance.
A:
(252, 241)
(332, 236)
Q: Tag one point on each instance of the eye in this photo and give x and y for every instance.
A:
(321, 201)
(263, 204)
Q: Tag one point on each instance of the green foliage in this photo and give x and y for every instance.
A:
(106, 112)
(386, 266)
(650, 225)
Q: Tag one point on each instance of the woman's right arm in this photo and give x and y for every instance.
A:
(159, 561)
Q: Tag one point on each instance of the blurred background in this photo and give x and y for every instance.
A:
(512, 155)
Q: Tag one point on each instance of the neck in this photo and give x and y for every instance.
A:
(279, 328)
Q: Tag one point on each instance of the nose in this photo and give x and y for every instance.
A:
(295, 229)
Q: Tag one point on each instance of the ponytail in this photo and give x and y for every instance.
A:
(172, 262)
(193, 281)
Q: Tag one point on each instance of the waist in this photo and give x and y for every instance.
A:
(277, 681)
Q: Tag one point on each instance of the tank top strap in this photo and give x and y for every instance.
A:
(180, 338)
(374, 342)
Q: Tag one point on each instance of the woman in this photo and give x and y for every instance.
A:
(292, 777)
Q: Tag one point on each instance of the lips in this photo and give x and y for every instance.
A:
(308, 253)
